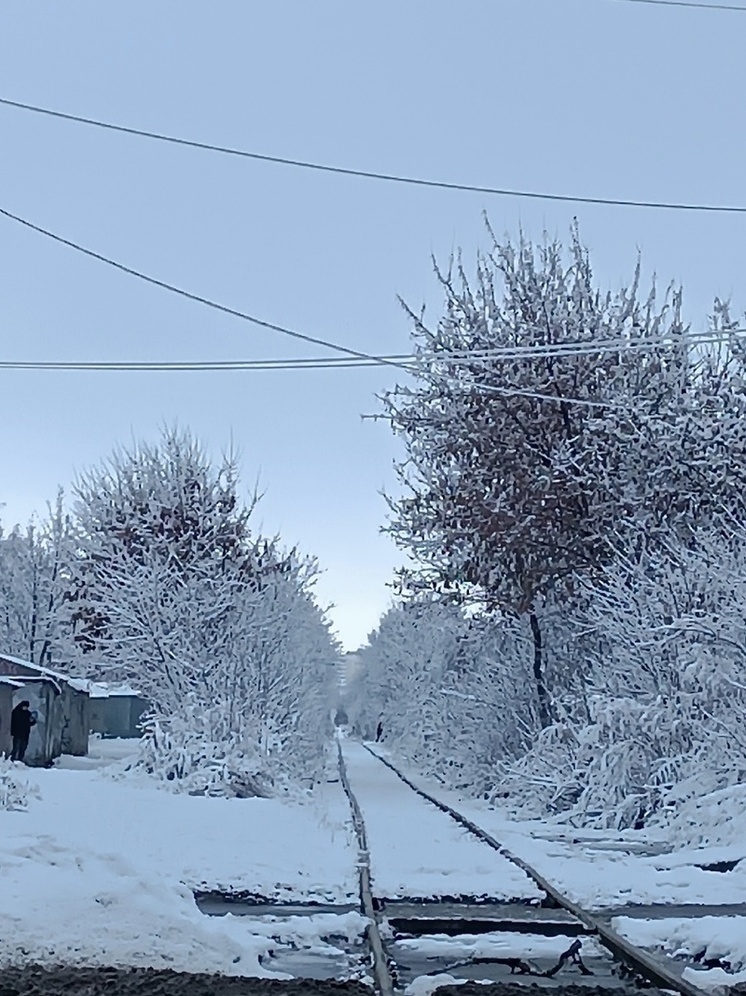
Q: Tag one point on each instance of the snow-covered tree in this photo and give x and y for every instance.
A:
(451, 692)
(216, 627)
(34, 567)
(403, 669)
(548, 425)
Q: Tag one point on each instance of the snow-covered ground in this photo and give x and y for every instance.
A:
(707, 938)
(416, 852)
(605, 869)
(101, 870)
(497, 944)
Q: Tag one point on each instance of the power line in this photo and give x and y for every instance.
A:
(407, 361)
(398, 362)
(200, 299)
(196, 366)
(200, 366)
(689, 3)
(373, 175)
(589, 347)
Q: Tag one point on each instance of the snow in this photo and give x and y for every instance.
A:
(708, 938)
(600, 869)
(416, 851)
(10, 681)
(79, 684)
(424, 985)
(100, 870)
(107, 690)
(498, 944)
(599, 879)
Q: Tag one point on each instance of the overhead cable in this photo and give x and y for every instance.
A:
(372, 174)
(199, 298)
(583, 348)
(187, 366)
(689, 3)
(410, 361)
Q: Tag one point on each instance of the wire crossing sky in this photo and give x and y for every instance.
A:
(190, 295)
(370, 175)
(689, 3)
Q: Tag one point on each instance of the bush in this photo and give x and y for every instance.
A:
(15, 790)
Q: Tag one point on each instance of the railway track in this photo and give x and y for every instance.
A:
(460, 937)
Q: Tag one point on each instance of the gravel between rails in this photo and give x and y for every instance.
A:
(68, 981)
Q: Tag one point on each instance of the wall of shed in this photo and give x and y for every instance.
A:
(6, 707)
(45, 742)
(75, 721)
(117, 715)
(74, 724)
(97, 715)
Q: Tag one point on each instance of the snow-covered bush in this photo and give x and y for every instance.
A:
(611, 772)
(660, 729)
(186, 756)
(15, 789)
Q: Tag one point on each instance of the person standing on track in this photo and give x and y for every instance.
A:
(21, 721)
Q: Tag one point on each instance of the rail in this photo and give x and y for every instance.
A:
(642, 962)
(381, 974)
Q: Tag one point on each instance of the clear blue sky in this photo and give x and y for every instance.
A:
(593, 97)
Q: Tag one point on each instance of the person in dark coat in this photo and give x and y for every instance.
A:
(21, 721)
(379, 731)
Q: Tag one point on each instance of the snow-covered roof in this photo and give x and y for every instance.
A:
(79, 684)
(107, 690)
(13, 682)
(18, 681)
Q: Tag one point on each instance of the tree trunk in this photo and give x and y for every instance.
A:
(542, 694)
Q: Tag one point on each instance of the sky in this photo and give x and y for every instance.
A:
(589, 97)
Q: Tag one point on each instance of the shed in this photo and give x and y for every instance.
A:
(7, 688)
(45, 699)
(116, 710)
(74, 700)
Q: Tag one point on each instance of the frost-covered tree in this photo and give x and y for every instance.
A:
(216, 627)
(34, 573)
(451, 692)
(550, 423)
(403, 669)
